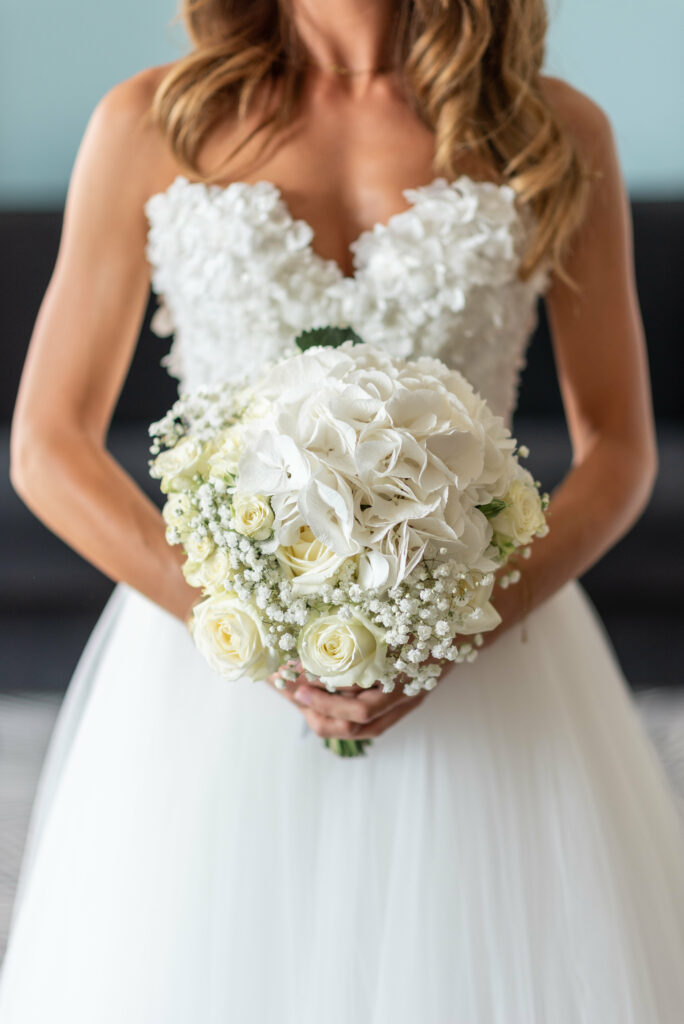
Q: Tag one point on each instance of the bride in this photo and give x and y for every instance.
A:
(509, 852)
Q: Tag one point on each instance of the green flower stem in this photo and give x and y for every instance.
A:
(348, 748)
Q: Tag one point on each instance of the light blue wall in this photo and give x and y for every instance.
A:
(56, 60)
(627, 55)
(55, 65)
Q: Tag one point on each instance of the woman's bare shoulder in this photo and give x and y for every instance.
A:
(581, 115)
(125, 139)
(134, 95)
(124, 113)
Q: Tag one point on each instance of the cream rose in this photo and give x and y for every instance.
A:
(176, 513)
(215, 572)
(191, 571)
(198, 548)
(252, 516)
(177, 466)
(309, 561)
(224, 461)
(228, 633)
(342, 652)
(523, 517)
(257, 406)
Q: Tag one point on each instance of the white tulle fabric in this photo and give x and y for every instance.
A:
(509, 853)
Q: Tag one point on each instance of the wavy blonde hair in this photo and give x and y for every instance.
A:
(470, 69)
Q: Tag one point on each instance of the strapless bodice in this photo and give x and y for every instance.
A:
(238, 278)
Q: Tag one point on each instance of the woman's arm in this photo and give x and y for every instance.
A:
(600, 354)
(79, 355)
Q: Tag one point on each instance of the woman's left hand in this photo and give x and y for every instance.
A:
(355, 714)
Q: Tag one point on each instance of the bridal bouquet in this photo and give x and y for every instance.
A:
(348, 509)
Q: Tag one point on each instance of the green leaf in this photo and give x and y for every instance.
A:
(492, 508)
(330, 337)
(505, 546)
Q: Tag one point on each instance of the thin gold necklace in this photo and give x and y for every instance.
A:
(338, 69)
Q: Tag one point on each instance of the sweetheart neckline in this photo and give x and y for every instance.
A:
(214, 190)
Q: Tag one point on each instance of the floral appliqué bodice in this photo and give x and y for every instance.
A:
(238, 278)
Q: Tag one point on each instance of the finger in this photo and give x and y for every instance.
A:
(284, 680)
(332, 705)
(329, 728)
(378, 702)
(380, 724)
(287, 690)
(354, 706)
(292, 670)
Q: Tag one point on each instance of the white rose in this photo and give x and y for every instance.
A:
(342, 653)
(224, 461)
(309, 561)
(215, 571)
(258, 408)
(229, 634)
(192, 572)
(523, 518)
(176, 513)
(177, 466)
(198, 548)
(252, 516)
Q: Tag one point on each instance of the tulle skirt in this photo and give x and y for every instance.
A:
(509, 853)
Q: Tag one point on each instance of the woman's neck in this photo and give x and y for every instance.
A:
(351, 34)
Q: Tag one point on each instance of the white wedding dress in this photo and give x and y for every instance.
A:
(509, 853)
